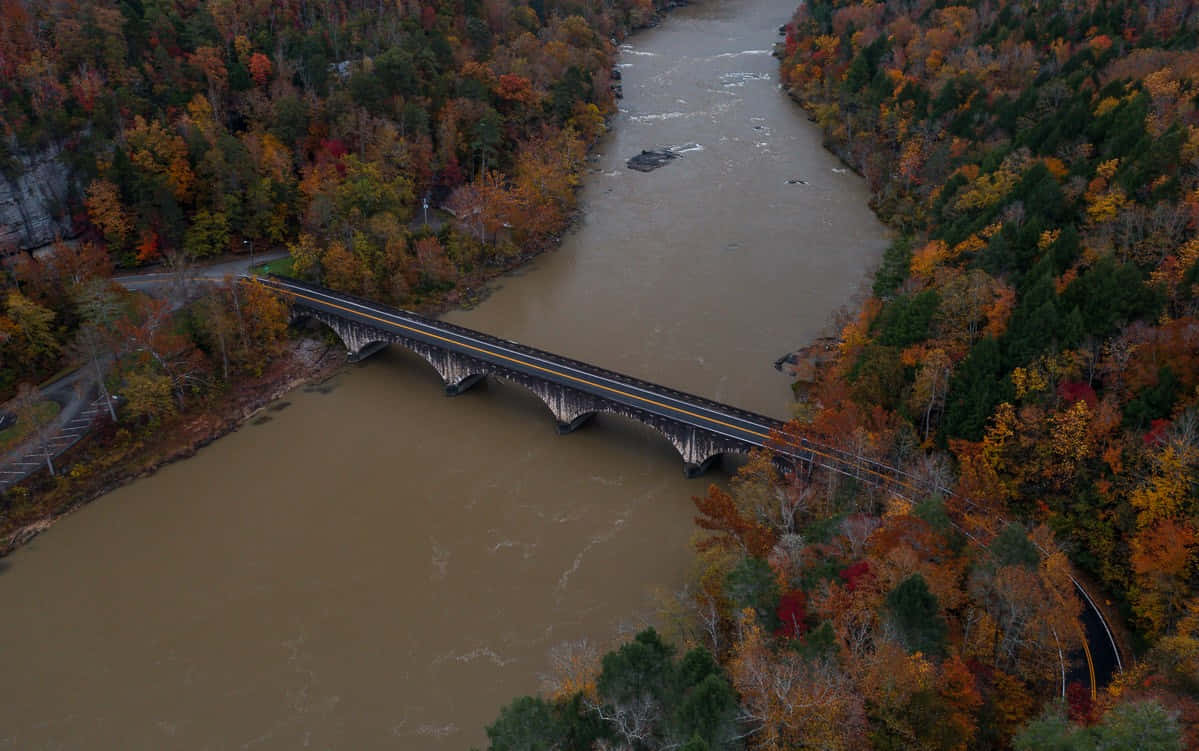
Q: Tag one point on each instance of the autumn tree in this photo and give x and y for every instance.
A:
(208, 235)
(161, 360)
(32, 326)
(788, 701)
(260, 68)
(721, 514)
(105, 210)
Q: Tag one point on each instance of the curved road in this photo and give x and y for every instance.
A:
(160, 282)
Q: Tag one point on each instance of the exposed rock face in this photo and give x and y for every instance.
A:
(33, 205)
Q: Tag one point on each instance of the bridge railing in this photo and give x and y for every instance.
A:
(588, 368)
(847, 463)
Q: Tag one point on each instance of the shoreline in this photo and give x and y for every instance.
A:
(308, 361)
(806, 364)
(230, 413)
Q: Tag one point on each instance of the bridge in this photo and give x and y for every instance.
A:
(700, 429)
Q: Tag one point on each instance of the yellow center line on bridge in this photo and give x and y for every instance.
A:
(764, 436)
(528, 364)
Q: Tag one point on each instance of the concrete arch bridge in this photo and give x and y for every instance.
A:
(700, 429)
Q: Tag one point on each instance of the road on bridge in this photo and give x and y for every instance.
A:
(747, 428)
(727, 421)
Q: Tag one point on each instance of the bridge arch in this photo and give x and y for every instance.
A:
(457, 374)
(571, 408)
(359, 341)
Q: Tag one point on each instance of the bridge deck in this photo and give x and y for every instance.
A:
(687, 408)
(748, 428)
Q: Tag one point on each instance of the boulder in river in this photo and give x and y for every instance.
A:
(647, 160)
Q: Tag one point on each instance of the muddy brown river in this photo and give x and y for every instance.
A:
(378, 566)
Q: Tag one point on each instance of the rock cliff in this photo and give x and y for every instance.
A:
(33, 204)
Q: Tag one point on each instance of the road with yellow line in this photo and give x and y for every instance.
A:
(752, 430)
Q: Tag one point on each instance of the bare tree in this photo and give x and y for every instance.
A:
(573, 667)
(634, 720)
(857, 529)
(695, 618)
(95, 342)
(181, 269)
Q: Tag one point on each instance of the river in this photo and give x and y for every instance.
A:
(377, 566)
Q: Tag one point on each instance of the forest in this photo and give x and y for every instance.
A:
(1029, 344)
(197, 129)
(193, 129)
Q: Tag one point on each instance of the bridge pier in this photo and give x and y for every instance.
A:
(570, 426)
(572, 400)
(571, 409)
(454, 389)
(693, 470)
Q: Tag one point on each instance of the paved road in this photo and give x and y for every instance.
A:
(161, 282)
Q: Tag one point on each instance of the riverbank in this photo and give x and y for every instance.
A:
(377, 539)
(94, 466)
(111, 457)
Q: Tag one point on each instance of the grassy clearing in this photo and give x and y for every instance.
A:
(280, 266)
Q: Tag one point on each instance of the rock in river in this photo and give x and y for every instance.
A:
(648, 161)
